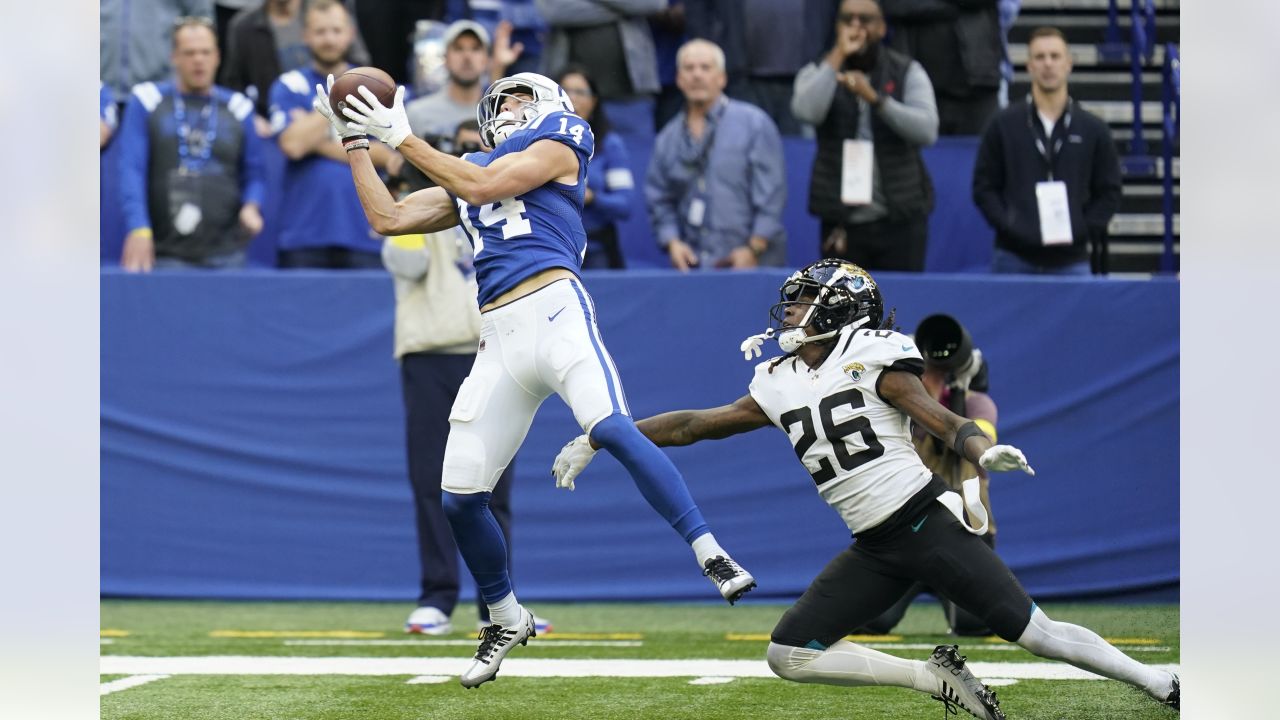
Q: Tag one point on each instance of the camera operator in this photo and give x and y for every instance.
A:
(955, 373)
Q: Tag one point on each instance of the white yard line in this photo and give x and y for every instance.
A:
(997, 648)
(468, 643)
(518, 667)
(127, 682)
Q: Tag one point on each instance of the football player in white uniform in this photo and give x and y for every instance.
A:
(846, 393)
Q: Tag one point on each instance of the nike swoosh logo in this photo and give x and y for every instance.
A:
(916, 527)
(551, 318)
(906, 348)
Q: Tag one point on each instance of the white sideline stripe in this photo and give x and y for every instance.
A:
(429, 680)
(997, 648)
(998, 682)
(711, 680)
(469, 643)
(126, 683)
(517, 667)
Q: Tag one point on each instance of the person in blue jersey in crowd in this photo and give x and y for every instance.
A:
(520, 204)
(191, 177)
(320, 221)
(610, 186)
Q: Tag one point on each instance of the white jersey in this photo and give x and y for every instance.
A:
(856, 445)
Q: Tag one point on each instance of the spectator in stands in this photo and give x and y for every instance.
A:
(106, 115)
(610, 186)
(321, 222)
(612, 38)
(518, 33)
(265, 41)
(133, 35)
(466, 60)
(437, 327)
(191, 177)
(958, 44)
(1047, 176)
(874, 109)
(716, 183)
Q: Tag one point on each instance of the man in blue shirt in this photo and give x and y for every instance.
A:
(191, 177)
(716, 183)
(521, 207)
(321, 223)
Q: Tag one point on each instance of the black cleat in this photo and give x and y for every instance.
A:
(1174, 699)
(960, 688)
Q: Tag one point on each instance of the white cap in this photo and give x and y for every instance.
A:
(463, 26)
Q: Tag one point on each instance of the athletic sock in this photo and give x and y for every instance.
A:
(705, 547)
(480, 540)
(1083, 648)
(850, 665)
(505, 612)
(653, 473)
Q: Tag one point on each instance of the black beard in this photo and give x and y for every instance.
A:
(864, 60)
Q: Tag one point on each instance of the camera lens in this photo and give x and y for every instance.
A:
(944, 342)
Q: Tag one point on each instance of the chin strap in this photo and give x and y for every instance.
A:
(790, 339)
(754, 343)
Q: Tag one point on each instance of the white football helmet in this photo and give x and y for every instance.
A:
(496, 125)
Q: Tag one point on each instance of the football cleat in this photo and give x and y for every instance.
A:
(495, 642)
(960, 688)
(428, 621)
(729, 578)
(1174, 699)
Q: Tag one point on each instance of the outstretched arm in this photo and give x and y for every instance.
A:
(904, 391)
(681, 427)
(510, 175)
(424, 211)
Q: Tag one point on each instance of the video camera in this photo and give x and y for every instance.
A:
(946, 345)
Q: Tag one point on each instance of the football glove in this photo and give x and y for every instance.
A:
(368, 116)
(321, 105)
(572, 460)
(999, 458)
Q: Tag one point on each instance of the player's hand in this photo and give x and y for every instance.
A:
(999, 458)
(572, 460)
(682, 256)
(368, 116)
(139, 252)
(321, 105)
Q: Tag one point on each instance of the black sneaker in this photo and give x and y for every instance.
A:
(1174, 699)
(960, 688)
(730, 579)
(495, 642)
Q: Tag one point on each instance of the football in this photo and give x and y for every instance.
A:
(378, 82)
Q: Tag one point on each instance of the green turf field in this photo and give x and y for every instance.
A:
(271, 661)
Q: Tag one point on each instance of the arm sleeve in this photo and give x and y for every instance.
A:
(253, 178)
(614, 199)
(135, 152)
(768, 181)
(915, 119)
(988, 176)
(1105, 186)
(664, 207)
(811, 96)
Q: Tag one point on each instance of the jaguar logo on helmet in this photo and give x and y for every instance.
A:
(496, 124)
(832, 294)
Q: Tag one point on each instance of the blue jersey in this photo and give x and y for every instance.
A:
(541, 229)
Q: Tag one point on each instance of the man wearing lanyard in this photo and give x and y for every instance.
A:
(716, 184)
(1047, 176)
(191, 171)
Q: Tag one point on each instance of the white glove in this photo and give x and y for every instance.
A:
(999, 458)
(388, 124)
(321, 105)
(751, 346)
(572, 460)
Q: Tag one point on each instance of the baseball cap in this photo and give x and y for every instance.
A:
(464, 26)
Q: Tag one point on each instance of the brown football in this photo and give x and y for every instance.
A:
(378, 82)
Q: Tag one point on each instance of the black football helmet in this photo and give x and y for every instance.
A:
(833, 293)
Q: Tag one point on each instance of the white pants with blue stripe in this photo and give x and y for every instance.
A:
(546, 342)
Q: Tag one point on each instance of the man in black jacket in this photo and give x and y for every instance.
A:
(1047, 176)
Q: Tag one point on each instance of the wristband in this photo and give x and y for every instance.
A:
(355, 142)
(141, 232)
(966, 431)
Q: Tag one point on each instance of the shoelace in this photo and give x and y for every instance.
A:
(722, 569)
(489, 637)
(948, 707)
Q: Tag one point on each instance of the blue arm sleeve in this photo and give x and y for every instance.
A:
(615, 203)
(664, 208)
(768, 181)
(135, 152)
(253, 177)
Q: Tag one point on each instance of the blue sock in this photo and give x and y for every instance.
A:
(653, 473)
(480, 540)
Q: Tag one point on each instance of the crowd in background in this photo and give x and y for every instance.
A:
(193, 91)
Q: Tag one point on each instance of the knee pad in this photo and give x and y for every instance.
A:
(464, 463)
(788, 661)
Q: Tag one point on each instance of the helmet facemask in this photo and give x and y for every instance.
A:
(831, 295)
(542, 97)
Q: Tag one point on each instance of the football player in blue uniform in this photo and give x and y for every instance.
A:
(521, 205)
(844, 360)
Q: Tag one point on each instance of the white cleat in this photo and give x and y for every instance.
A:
(428, 621)
(959, 687)
(729, 578)
(495, 642)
